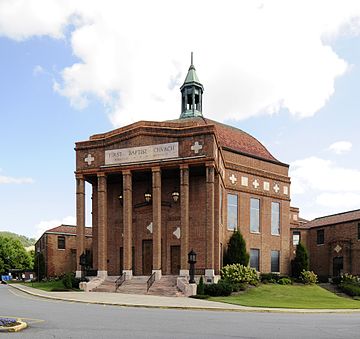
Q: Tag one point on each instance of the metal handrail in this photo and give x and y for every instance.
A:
(119, 281)
(150, 281)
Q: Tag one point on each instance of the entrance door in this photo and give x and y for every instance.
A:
(338, 266)
(147, 256)
(175, 260)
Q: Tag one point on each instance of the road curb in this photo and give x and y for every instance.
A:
(17, 328)
(193, 308)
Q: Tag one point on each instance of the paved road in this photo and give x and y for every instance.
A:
(60, 319)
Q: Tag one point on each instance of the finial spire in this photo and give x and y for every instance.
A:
(192, 58)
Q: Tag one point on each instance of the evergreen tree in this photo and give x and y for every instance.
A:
(236, 250)
(300, 262)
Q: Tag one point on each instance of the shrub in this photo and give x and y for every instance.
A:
(222, 288)
(67, 280)
(237, 273)
(284, 281)
(237, 287)
(236, 250)
(352, 289)
(308, 277)
(200, 287)
(271, 278)
(349, 278)
(323, 278)
(300, 262)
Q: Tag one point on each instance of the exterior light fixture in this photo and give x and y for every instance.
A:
(175, 195)
(192, 262)
(147, 196)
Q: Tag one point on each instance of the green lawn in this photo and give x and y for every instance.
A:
(290, 296)
(48, 286)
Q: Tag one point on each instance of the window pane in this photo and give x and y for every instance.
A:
(320, 237)
(254, 215)
(275, 261)
(232, 213)
(61, 242)
(275, 218)
(296, 238)
(254, 258)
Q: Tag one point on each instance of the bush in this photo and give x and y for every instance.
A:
(200, 287)
(352, 289)
(237, 273)
(237, 287)
(284, 281)
(271, 278)
(323, 278)
(236, 250)
(349, 278)
(300, 262)
(308, 277)
(67, 281)
(221, 289)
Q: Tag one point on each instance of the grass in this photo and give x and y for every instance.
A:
(290, 296)
(48, 286)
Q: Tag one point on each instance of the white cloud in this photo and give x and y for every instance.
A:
(38, 70)
(44, 225)
(253, 57)
(340, 201)
(340, 147)
(11, 180)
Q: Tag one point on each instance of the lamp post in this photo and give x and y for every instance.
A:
(192, 262)
(38, 263)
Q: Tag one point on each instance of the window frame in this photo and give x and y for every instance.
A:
(237, 211)
(318, 237)
(296, 233)
(61, 238)
(257, 250)
(278, 261)
(258, 215)
(273, 203)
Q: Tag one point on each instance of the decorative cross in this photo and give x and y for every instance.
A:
(196, 147)
(177, 232)
(89, 159)
(256, 184)
(276, 188)
(150, 227)
(233, 179)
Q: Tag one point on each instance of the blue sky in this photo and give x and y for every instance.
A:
(68, 71)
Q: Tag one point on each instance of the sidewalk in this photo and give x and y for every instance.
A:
(151, 301)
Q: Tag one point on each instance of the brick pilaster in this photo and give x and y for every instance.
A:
(80, 220)
(209, 217)
(184, 217)
(127, 213)
(102, 224)
(156, 197)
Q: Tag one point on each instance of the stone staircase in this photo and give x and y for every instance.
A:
(166, 286)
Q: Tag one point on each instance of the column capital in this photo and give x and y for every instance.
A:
(126, 172)
(156, 169)
(79, 176)
(184, 166)
(101, 174)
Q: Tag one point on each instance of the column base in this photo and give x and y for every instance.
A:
(184, 273)
(128, 274)
(157, 274)
(209, 276)
(78, 274)
(102, 274)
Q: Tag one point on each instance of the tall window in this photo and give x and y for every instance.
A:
(221, 206)
(232, 211)
(320, 237)
(254, 215)
(275, 218)
(296, 238)
(61, 242)
(254, 258)
(275, 266)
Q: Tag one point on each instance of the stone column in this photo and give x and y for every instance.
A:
(127, 214)
(80, 222)
(209, 269)
(94, 225)
(156, 198)
(184, 219)
(102, 225)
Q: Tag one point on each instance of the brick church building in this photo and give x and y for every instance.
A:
(160, 189)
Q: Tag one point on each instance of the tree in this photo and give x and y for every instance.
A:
(236, 250)
(39, 265)
(300, 262)
(13, 255)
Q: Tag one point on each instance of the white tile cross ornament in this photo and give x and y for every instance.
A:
(256, 184)
(233, 179)
(196, 147)
(276, 188)
(89, 159)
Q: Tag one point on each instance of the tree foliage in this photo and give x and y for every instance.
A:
(25, 241)
(300, 262)
(13, 255)
(39, 265)
(236, 250)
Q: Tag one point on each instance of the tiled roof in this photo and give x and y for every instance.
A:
(335, 219)
(69, 229)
